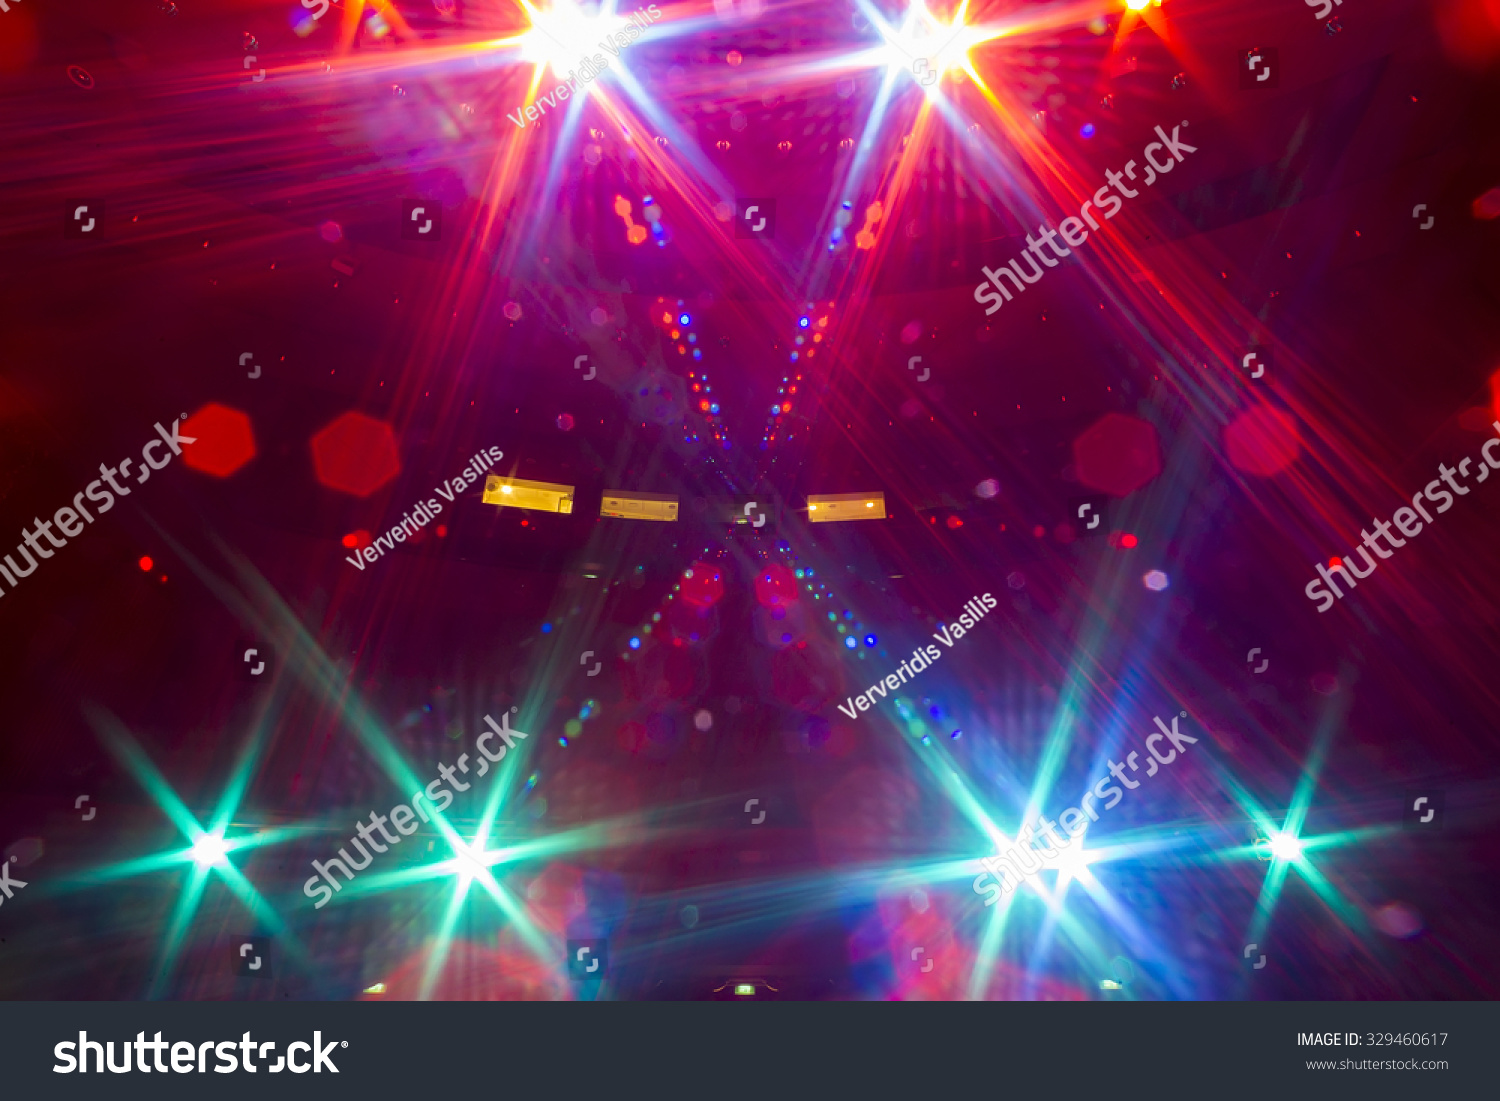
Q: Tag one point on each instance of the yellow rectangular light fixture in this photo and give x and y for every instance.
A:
(519, 493)
(633, 505)
(824, 508)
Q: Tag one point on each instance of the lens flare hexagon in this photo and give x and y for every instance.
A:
(222, 440)
(1117, 454)
(356, 454)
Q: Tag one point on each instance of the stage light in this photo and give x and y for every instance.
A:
(639, 506)
(469, 863)
(209, 850)
(1137, 5)
(745, 989)
(519, 493)
(564, 37)
(1285, 846)
(923, 45)
(823, 508)
(851, 642)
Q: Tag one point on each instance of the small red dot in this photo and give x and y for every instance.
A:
(163, 579)
(442, 530)
(1127, 540)
(350, 540)
(1039, 531)
(1332, 562)
(146, 565)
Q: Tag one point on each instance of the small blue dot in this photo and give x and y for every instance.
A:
(935, 712)
(850, 642)
(697, 354)
(786, 637)
(714, 408)
(1087, 130)
(562, 740)
(684, 320)
(546, 628)
(635, 643)
(803, 323)
(870, 640)
(794, 357)
(957, 734)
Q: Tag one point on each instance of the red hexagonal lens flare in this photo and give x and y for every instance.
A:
(702, 585)
(356, 454)
(775, 586)
(1117, 454)
(223, 441)
(1263, 441)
